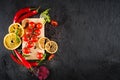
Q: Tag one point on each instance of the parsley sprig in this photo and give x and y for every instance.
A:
(45, 15)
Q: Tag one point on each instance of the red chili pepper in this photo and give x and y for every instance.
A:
(15, 59)
(51, 57)
(54, 23)
(31, 13)
(20, 12)
(34, 63)
(22, 59)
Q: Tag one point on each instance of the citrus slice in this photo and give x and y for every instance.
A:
(51, 47)
(17, 29)
(11, 41)
(42, 41)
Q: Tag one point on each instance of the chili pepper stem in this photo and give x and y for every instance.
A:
(33, 71)
(38, 9)
(39, 62)
(32, 8)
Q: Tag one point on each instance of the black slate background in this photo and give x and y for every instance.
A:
(88, 36)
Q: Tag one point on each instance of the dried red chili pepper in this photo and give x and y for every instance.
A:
(15, 59)
(22, 59)
(20, 63)
(51, 57)
(31, 13)
(22, 11)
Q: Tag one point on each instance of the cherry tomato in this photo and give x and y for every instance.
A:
(26, 37)
(51, 57)
(30, 44)
(39, 25)
(29, 31)
(31, 25)
(54, 23)
(37, 32)
(39, 55)
(34, 39)
(26, 50)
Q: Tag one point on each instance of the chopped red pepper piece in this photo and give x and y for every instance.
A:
(51, 57)
(54, 23)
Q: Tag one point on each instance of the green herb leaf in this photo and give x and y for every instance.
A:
(44, 56)
(18, 40)
(25, 55)
(45, 15)
(40, 61)
(16, 32)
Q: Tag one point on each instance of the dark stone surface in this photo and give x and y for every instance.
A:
(88, 36)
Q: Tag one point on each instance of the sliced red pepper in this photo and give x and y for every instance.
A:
(15, 59)
(54, 23)
(21, 12)
(22, 59)
(51, 57)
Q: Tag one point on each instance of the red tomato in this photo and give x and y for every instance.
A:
(26, 50)
(30, 44)
(34, 39)
(39, 55)
(26, 37)
(39, 25)
(31, 25)
(54, 23)
(29, 31)
(37, 32)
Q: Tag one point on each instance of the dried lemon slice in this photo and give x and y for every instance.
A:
(42, 41)
(11, 41)
(17, 29)
(51, 47)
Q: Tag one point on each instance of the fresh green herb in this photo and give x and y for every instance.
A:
(18, 40)
(44, 56)
(16, 32)
(40, 61)
(25, 55)
(45, 15)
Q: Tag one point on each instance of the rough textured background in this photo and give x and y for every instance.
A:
(88, 37)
